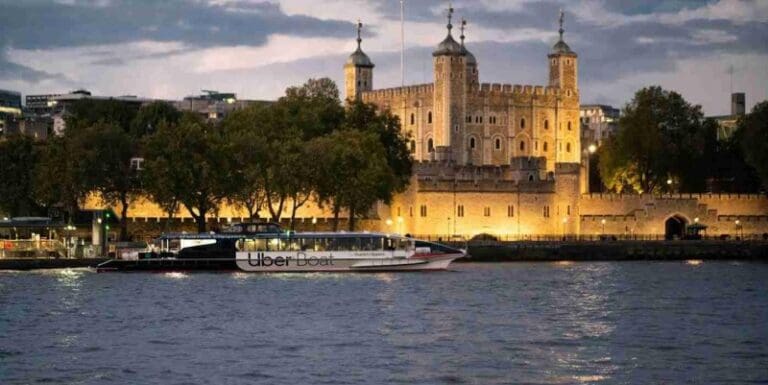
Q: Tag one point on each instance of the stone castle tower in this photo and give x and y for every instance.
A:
(358, 71)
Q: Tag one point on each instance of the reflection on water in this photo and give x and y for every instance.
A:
(694, 262)
(547, 323)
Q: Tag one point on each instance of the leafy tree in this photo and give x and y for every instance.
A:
(660, 136)
(187, 164)
(350, 171)
(149, 117)
(87, 112)
(18, 157)
(59, 180)
(104, 151)
(386, 126)
(753, 136)
(246, 142)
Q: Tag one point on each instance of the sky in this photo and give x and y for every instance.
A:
(174, 48)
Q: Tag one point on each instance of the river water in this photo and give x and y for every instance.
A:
(534, 323)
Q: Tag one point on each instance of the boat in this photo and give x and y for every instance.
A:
(265, 247)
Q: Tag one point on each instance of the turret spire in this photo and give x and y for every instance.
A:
(463, 24)
(359, 29)
(450, 15)
(562, 18)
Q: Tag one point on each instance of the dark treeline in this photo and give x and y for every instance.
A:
(267, 157)
(664, 144)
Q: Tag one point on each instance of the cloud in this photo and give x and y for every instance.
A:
(257, 48)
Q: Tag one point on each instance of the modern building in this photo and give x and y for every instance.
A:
(53, 107)
(599, 120)
(213, 105)
(10, 111)
(727, 123)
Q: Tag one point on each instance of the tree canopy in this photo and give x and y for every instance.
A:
(753, 136)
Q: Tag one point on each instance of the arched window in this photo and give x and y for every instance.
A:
(568, 147)
(545, 147)
(429, 117)
(472, 143)
(522, 123)
(498, 143)
(413, 119)
(413, 146)
(522, 145)
(546, 125)
(569, 126)
(430, 145)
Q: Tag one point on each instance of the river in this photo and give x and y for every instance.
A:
(535, 323)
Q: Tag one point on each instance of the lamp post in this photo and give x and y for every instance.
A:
(565, 223)
(400, 225)
(602, 222)
(389, 225)
(739, 229)
(314, 224)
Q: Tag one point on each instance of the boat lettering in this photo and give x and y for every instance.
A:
(277, 260)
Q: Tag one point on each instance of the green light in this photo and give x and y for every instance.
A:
(107, 227)
(106, 215)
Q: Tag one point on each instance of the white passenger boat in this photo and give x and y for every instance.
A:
(264, 247)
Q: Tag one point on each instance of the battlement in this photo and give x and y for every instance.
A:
(496, 88)
(414, 90)
(692, 196)
(437, 184)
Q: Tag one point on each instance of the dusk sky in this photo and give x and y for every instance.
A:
(171, 49)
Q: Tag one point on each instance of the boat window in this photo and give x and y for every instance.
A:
(402, 244)
(389, 244)
(174, 244)
(369, 244)
(344, 244)
(291, 244)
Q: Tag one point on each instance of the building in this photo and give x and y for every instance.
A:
(213, 105)
(727, 123)
(502, 159)
(53, 107)
(10, 111)
(600, 121)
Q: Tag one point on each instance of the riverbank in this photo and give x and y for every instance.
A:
(48, 263)
(616, 251)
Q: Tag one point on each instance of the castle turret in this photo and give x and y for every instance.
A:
(563, 63)
(449, 97)
(358, 71)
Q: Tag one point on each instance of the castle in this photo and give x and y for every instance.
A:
(501, 159)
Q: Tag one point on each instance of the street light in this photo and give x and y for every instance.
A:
(400, 224)
(739, 229)
(314, 223)
(696, 219)
(603, 223)
(592, 148)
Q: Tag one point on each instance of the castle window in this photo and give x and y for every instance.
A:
(398, 211)
(430, 145)
(568, 210)
(567, 147)
(460, 211)
(522, 123)
(536, 145)
(569, 126)
(546, 124)
(413, 119)
(522, 145)
(545, 147)
(498, 143)
(472, 143)
(510, 211)
(546, 212)
(423, 210)
(365, 83)
(486, 211)
(429, 117)
(530, 177)
(413, 146)
(468, 119)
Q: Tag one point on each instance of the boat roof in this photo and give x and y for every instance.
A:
(281, 234)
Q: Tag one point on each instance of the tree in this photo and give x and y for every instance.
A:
(149, 117)
(187, 164)
(87, 112)
(18, 157)
(247, 145)
(386, 126)
(660, 137)
(105, 151)
(58, 178)
(753, 135)
(350, 171)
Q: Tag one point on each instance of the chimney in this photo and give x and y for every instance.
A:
(738, 104)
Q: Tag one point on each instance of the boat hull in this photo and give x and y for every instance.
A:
(277, 264)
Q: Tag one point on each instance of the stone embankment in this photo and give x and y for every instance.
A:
(615, 251)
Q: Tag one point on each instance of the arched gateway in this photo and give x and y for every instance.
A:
(674, 227)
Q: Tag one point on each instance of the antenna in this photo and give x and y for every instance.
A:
(730, 72)
(402, 43)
